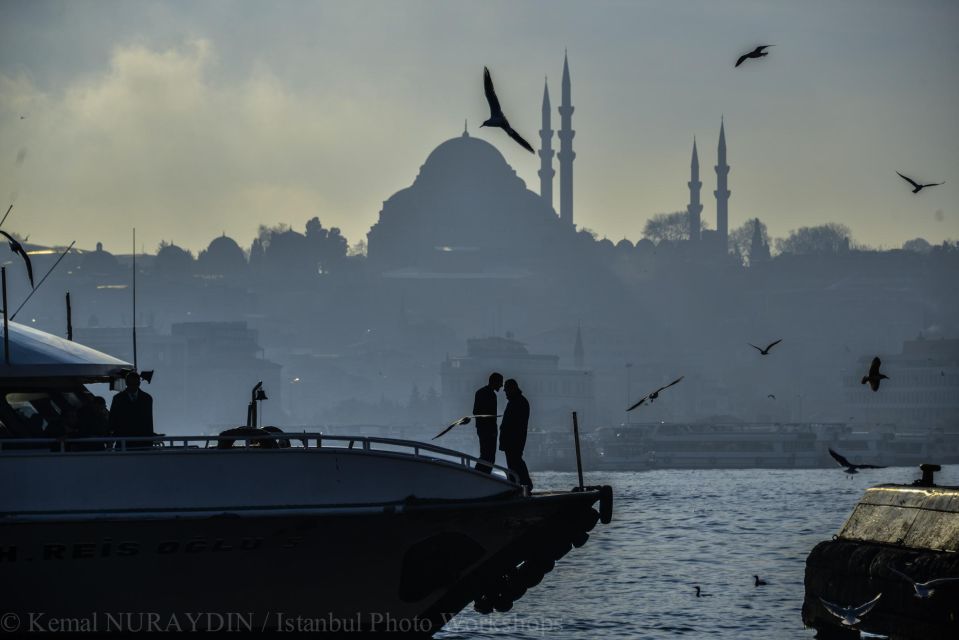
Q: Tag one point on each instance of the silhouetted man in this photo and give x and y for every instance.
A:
(484, 404)
(512, 431)
(131, 412)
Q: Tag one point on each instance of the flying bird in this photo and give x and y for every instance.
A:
(655, 394)
(874, 375)
(850, 615)
(918, 187)
(463, 420)
(17, 248)
(759, 583)
(496, 117)
(758, 52)
(850, 467)
(771, 396)
(765, 351)
(923, 589)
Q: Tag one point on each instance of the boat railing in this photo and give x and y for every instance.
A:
(294, 440)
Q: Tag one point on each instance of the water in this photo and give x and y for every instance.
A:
(674, 529)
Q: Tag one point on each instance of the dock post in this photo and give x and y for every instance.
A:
(579, 460)
(6, 322)
(69, 319)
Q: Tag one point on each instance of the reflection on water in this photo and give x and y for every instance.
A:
(675, 529)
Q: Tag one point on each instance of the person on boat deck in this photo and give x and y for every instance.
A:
(512, 431)
(484, 404)
(131, 412)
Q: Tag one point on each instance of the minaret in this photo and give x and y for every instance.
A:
(579, 357)
(722, 193)
(694, 208)
(566, 154)
(546, 171)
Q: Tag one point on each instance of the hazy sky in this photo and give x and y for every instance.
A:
(187, 119)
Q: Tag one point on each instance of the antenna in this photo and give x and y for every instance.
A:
(5, 215)
(47, 275)
(135, 368)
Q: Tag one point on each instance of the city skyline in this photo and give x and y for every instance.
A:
(173, 129)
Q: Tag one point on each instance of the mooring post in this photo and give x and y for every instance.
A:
(6, 322)
(579, 460)
(69, 319)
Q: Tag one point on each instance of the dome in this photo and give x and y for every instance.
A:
(624, 245)
(222, 257)
(464, 155)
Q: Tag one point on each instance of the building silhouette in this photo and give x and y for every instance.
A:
(546, 152)
(694, 208)
(566, 154)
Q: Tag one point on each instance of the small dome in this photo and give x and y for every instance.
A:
(223, 256)
(624, 245)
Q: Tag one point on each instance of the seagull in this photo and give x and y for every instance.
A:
(655, 394)
(851, 468)
(759, 583)
(771, 396)
(755, 53)
(17, 248)
(923, 589)
(850, 615)
(496, 117)
(874, 376)
(699, 593)
(765, 351)
(463, 420)
(918, 187)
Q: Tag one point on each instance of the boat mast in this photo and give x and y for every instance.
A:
(135, 368)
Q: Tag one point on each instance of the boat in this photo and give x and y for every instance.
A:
(637, 447)
(251, 529)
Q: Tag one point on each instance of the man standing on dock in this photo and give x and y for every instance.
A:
(512, 431)
(484, 404)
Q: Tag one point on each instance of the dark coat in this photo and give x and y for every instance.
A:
(484, 404)
(131, 417)
(512, 430)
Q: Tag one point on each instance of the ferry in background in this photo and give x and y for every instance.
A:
(637, 447)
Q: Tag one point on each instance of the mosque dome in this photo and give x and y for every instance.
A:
(223, 256)
(465, 211)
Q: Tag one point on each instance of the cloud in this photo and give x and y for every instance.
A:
(155, 142)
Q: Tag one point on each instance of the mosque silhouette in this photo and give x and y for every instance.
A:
(467, 212)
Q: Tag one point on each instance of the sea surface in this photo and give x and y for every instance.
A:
(674, 529)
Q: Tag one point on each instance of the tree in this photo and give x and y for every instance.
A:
(919, 245)
(671, 227)
(751, 241)
(825, 238)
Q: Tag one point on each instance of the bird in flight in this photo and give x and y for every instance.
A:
(655, 394)
(923, 589)
(759, 583)
(496, 117)
(758, 52)
(874, 376)
(17, 248)
(771, 396)
(917, 187)
(850, 467)
(851, 614)
(765, 351)
(463, 420)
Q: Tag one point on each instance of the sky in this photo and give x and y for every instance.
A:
(191, 119)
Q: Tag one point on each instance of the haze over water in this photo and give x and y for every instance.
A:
(674, 529)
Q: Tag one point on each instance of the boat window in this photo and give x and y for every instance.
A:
(34, 409)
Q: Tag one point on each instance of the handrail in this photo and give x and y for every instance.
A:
(119, 445)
